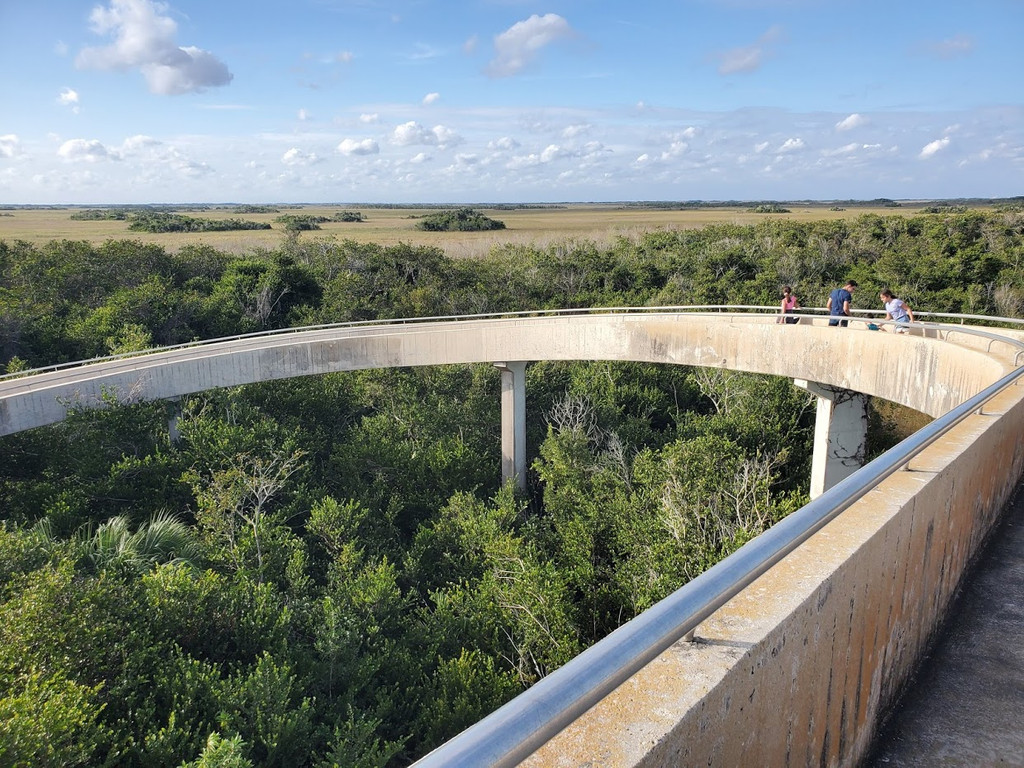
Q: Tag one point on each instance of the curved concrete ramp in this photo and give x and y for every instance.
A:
(927, 374)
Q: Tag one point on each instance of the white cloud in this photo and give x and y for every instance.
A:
(369, 118)
(549, 154)
(527, 156)
(186, 166)
(344, 57)
(934, 147)
(10, 145)
(444, 136)
(303, 115)
(471, 44)
(846, 149)
(748, 58)
(88, 150)
(358, 147)
(412, 132)
(423, 51)
(675, 149)
(552, 152)
(504, 143)
(430, 98)
(296, 156)
(850, 122)
(68, 98)
(138, 142)
(144, 39)
(954, 47)
(520, 44)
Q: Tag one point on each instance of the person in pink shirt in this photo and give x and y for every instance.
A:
(789, 304)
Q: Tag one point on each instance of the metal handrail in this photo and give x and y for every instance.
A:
(514, 731)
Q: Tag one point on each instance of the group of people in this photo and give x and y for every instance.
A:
(839, 302)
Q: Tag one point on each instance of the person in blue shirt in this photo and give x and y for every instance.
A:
(839, 303)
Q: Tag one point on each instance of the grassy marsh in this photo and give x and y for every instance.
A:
(541, 226)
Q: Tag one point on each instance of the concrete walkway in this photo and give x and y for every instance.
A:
(965, 707)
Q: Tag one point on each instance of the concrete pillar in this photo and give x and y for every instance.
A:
(513, 422)
(173, 418)
(840, 434)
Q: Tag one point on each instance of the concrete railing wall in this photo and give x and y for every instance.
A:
(796, 669)
(926, 374)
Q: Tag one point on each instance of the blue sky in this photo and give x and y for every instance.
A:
(136, 101)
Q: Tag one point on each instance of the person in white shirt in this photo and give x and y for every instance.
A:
(896, 310)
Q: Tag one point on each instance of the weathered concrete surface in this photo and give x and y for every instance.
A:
(927, 374)
(840, 435)
(965, 707)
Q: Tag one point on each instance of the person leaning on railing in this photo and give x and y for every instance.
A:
(839, 303)
(896, 310)
(789, 304)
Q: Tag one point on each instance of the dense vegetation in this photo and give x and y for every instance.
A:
(301, 222)
(459, 220)
(325, 571)
(176, 222)
(100, 214)
(769, 208)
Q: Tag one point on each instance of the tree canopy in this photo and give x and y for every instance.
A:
(326, 571)
(458, 220)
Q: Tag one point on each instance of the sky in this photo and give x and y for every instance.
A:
(509, 101)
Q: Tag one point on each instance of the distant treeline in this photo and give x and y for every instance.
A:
(299, 222)
(101, 214)
(174, 222)
(754, 204)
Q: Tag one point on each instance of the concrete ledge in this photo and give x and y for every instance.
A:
(798, 668)
(926, 374)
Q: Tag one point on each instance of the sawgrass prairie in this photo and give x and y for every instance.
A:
(538, 226)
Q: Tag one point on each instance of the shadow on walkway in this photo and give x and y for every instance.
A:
(965, 706)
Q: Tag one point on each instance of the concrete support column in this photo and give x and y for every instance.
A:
(840, 434)
(173, 418)
(513, 422)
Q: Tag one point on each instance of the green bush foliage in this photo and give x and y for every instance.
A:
(458, 220)
(176, 222)
(325, 571)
